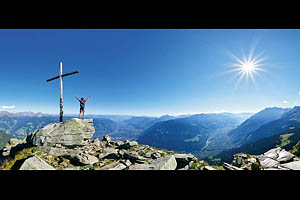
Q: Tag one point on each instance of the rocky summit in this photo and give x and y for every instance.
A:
(72, 132)
(69, 146)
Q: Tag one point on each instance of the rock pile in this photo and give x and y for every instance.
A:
(69, 146)
(274, 159)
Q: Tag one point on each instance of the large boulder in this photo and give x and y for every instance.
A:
(84, 159)
(35, 163)
(292, 165)
(267, 162)
(73, 132)
(279, 154)
(183, 159)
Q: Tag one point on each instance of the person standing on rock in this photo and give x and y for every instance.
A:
(82, 105)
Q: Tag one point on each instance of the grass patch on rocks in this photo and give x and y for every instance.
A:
(16, 160)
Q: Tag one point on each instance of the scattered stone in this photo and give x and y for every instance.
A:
(148, 154)
(71, 168)
(96, 142)
(6, 151)
(133, 156)
(239, 159)
(118, 166)
(36, 163)
(127, 144)
(58, 145)
(106, 138)
(208, 168)
(85, 159)
(15, 141)
(126, 162)
(115, 165)
(119, 143)
(155, 155)
(230, 167)
(165, 163)
(184, 158)
(184, 168)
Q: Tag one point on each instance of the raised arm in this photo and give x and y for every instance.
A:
(86, 99)
(77, 98)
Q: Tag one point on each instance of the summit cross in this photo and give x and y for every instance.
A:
(60, 76)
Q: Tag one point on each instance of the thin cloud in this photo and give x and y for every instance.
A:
(299, 92)
(284, 102)
(8, 107)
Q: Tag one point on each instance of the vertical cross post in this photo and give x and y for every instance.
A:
(61, 93)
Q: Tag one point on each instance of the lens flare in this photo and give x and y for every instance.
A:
(248, 66)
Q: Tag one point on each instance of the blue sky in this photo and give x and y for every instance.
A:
(147, 72)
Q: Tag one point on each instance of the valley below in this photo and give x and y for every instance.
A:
(217, 142)
(214, 138)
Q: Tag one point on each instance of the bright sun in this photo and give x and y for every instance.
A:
(247, 67)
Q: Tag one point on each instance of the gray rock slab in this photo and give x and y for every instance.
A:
(113, 166)
(35, 163)
(165, 163)
(85, 159)
(273, 153)
(292, 165)
(184, 157)
(267, 162)
(231, 167)
(208, 168)
(73, 132)
(128, 144)
(285, 156)
(133, 156)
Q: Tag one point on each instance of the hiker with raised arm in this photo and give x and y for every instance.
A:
(82, 105)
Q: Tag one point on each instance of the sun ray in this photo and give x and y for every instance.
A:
(248, 67)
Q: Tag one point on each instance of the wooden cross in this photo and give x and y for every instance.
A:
(61, 87)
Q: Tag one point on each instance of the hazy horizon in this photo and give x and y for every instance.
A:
(116, 114)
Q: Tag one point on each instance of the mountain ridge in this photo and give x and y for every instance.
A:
(239, 135)
(283, 132)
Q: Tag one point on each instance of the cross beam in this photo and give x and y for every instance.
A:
(60, 76)
(67, 74)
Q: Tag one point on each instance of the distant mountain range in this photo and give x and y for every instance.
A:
(209, 136)
(190, 133)
(240, 135)
(283, 132)
(119, 127)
